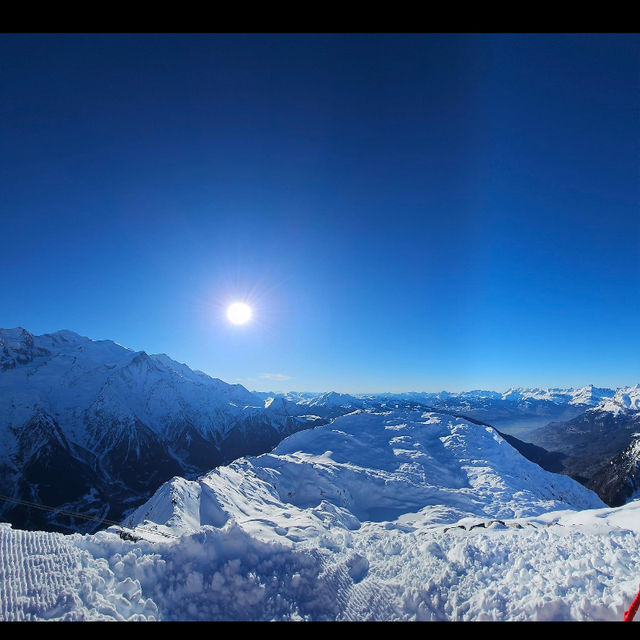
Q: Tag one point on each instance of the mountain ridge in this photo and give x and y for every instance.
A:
(122, 420)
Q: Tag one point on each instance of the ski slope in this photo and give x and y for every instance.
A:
(378, 516)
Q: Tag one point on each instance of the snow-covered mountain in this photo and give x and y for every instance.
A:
(87, 423)
(393, 515)
(516, 411)
(618, 482)
(582, 396)
(625, 400)
(607, 426)
(330, 404)
(373, 466)
(597, 443)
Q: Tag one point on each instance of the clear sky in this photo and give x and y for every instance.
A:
(403, 212)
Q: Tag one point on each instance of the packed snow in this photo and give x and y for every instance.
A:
(399, 515)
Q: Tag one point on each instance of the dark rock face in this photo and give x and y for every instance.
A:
(131, 462)
(46, 469)
(17, 348)
(138, 458)
(593, 432)
(619, 479)
(596, 447)
(196, 453)
(259, 434)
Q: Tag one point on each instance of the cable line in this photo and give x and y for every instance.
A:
(65, 512)
(83, 516)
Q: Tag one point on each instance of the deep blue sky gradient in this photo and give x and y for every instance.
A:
(404, 212)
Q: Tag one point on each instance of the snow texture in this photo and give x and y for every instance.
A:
(399, 515)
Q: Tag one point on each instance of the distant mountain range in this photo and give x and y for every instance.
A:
(588, 433)
(517, 411)
(600, 445)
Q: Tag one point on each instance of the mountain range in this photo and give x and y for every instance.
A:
(92, 427)
(220, 503)
(600, 445)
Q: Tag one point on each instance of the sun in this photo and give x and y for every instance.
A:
(239, 313)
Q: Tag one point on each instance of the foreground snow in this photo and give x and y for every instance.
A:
(394, 516)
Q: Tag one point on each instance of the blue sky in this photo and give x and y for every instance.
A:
(403, 212)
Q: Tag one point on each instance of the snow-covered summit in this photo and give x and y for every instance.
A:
(625, 399)
(369, 467)
(332, 400)
(71, 376)
(588, 395)
(17, 347)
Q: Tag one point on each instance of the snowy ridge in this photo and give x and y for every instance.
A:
(330, 403)
(625, 399)
(68, 375)
(372, 467)
(117, 420)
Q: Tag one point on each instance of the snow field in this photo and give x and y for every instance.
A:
(563, 571)
(45, 576)
(523, 574)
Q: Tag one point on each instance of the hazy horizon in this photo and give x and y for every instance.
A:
(283, 388)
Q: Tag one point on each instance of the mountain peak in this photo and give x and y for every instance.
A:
(625, 399)
(17, 347)
(68, 335)
(17, 334)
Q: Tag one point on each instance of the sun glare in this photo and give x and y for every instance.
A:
(239, 313)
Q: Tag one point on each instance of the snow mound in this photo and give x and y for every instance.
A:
(369, 467)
